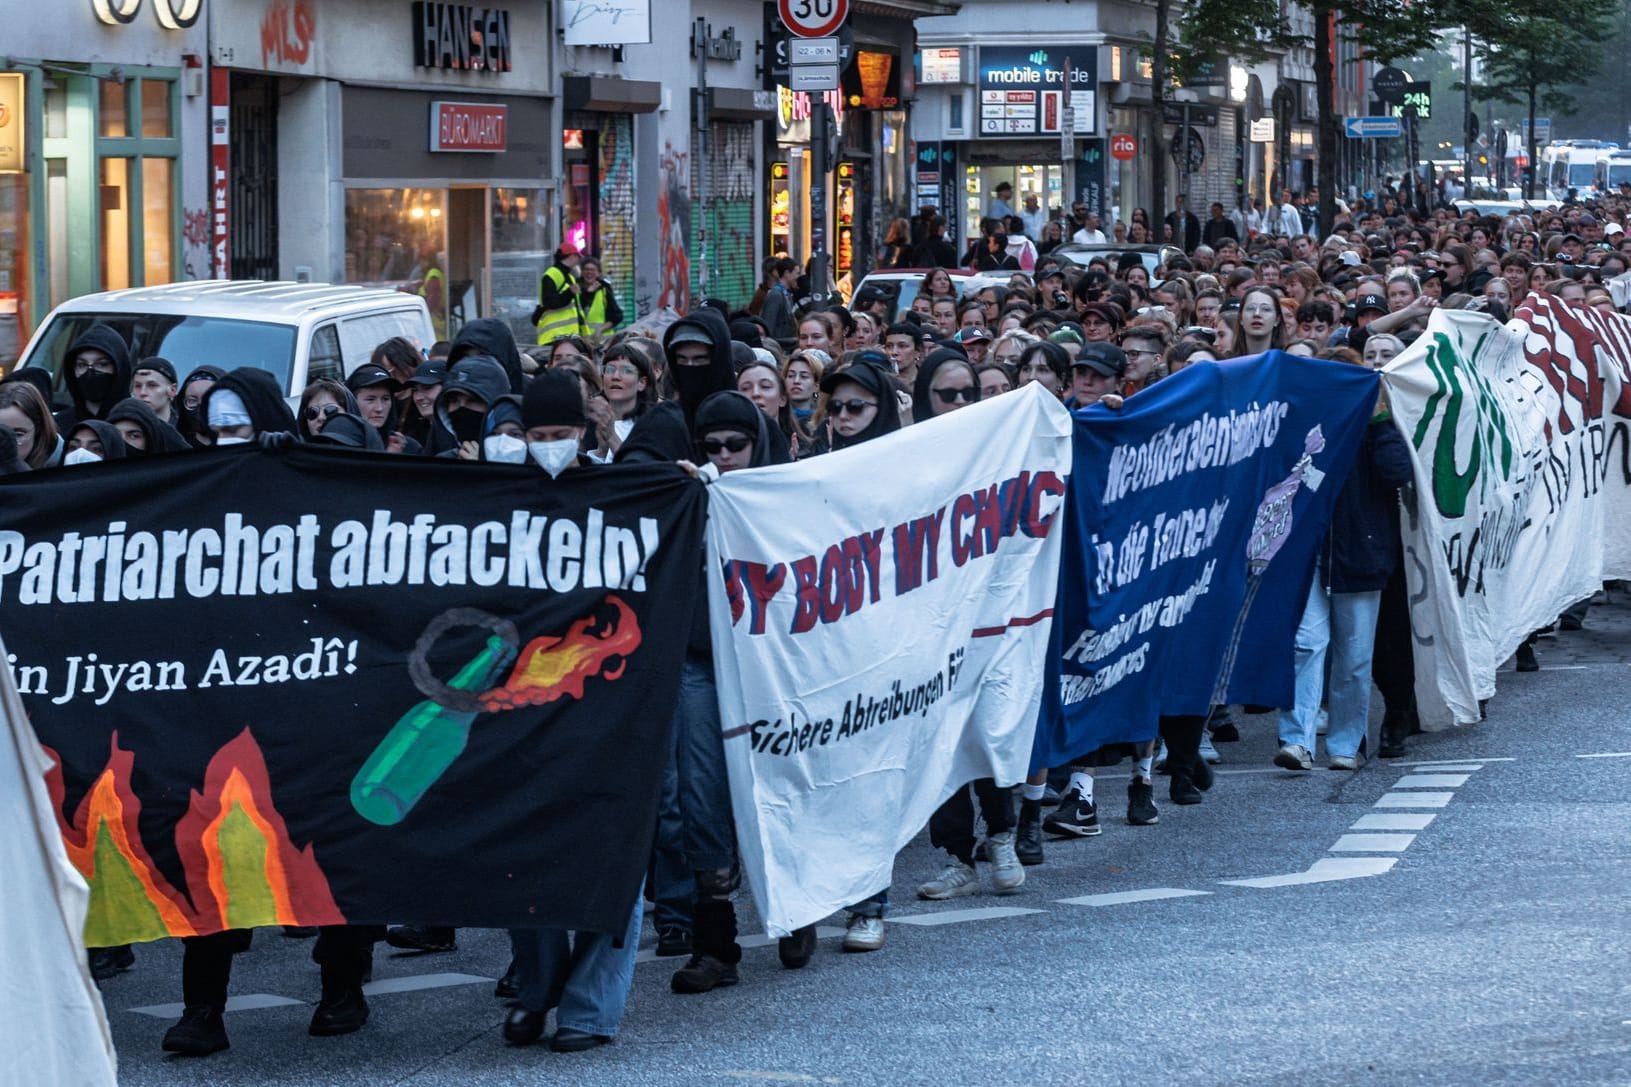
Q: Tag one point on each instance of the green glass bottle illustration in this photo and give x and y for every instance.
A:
(423, 743)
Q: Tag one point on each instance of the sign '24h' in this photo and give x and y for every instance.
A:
(172, 14)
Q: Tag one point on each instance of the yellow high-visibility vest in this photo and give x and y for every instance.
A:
(438, 312)
(566, 321)
(594, 316)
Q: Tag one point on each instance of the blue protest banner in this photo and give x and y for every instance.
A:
(1192, 524)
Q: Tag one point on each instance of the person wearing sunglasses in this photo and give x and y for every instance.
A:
(945, 382)
(861, 401)
(319, 401)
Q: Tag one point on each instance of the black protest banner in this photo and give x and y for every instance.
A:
(319, 687)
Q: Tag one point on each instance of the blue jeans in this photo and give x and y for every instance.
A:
(672, 886)
(876, 906)
(580, 974)
(704, 788)
(1345, 625)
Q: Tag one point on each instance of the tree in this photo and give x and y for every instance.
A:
(1532, 50)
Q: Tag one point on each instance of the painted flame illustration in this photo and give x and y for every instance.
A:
(554, 666)
(241, 868)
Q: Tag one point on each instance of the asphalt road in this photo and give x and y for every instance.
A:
(1490, 946)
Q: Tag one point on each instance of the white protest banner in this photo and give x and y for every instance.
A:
(879, 634)
(52, 1025)
(1504, 528)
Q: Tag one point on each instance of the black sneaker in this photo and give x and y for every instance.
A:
(422, 938)
(795, 950)
(342, 1011)
(1225, 731)
(107, 962)
(703, 974)
(1526, 658)
(1075, 817)
(1141, 810)
(1183, 790)
(1028, 833)
(673, 941)
(199, 1033)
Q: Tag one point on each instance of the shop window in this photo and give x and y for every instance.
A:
(521, 252)
(113, 196)
(14, 280)
(394, 237)
(155, 96)
(114, 113)
(158, 217)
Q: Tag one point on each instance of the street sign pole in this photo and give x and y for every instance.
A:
(818, 198)
(816, 19)
(1067, 157)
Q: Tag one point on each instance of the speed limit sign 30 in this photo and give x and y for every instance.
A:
(813, 18)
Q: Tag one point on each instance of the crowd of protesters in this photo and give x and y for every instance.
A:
(780, 378)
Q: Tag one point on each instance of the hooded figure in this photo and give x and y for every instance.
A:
(881, 385)
(95, 392)
(554, 422)
(260, 398)
(922, 397)
(734, 411)
(113, 443)
(693, 384)
(161, 436)
(480, 377)
(491, 337)
(191, 423)
(349, 431)
(368, 376)
(10, 462)
(37, 376)
(659, 437)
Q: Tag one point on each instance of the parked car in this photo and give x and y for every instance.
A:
(903, 283)
(296, 331)
(1153, 256)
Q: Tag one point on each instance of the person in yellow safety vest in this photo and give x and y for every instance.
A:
(560, 306)
(600, 309)
(433, 289)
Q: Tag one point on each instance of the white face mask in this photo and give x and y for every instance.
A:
(232, 441)
(504, 449)
(81, 456)
(554, 457)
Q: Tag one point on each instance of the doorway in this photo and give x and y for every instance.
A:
(467, 247)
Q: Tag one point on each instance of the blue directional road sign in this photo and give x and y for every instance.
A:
(1372, 128)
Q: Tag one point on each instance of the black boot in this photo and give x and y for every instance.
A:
(341, 1011)
(107, 962)
(1028, 833)
(524, 1027)
(199, 1033)
(422, 938)
(713, 962)
(1394, 730)
(509, 986)
(795, 950)
(1526, 658)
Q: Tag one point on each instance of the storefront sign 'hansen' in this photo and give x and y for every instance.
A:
(467, 126)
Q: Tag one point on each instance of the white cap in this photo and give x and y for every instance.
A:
(1613, 228)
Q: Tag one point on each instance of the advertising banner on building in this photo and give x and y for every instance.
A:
(1021, 89)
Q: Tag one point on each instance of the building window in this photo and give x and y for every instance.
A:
(137, 205)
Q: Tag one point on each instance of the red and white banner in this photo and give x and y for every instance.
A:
(874, 657)
(468, 126)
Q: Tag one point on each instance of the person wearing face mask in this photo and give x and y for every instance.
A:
(94, 440)
(144, 432)
(554, 422)
(189, 414)
(489, 337)
(473, 386)
(244, 404)
(96, 373)
(698, 349)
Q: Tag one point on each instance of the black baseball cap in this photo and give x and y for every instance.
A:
(429, 373)
(1104, 358)
(1370, 302)
(368, 375)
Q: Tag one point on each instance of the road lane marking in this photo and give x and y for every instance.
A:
(1149, 894)
(1327, 870)
(1607, 755)
(1431, 781)
(1373, 843)
(1413, 800)
(415, 982)
(1402, 820)
(247, 1003)
(952, 917)
(1453, 762)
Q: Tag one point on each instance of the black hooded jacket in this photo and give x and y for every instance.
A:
(492, 337)
(113, 443)
(191, 423)
(349, 432)
(694, 384)
(104, 339)
(882, 385)
(478, 375)
(659, 437)
(922, 399)
(732, 410)
(37, 376)
(161, 436)
(262, 396)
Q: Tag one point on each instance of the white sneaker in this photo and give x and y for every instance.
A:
(959, 879)
(865, 933)
(1208, 751)
(1007, 875)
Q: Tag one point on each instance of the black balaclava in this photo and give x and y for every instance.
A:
(694, 384)
(104, 390)
(262, 395)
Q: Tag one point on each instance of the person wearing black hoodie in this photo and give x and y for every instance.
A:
(143, 431)
(698, 348)
(940, 386)
(245, 403)
(94, 440)
(375, 391)
(473, 386)
(732, 433)
(190, 403)
(96, 371)
(861, 402)
(491, 337)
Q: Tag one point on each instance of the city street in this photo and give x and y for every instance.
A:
(1456, 917)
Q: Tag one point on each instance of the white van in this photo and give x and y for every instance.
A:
(296, 331)
(1613, 170)
(1571, 164)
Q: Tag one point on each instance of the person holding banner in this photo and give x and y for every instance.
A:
(1344, 601)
